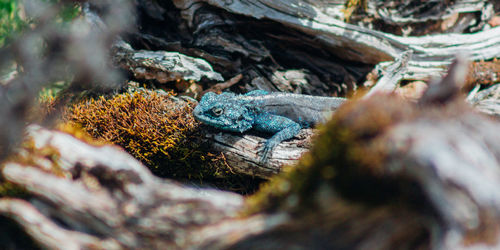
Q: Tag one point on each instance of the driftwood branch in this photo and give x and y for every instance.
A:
(398, 14)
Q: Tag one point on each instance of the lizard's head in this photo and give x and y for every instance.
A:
(224, 111)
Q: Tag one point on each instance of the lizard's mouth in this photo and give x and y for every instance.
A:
(197, 112)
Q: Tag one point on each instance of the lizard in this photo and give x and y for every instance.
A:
(281, 114)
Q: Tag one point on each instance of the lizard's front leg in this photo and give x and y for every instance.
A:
(282, 127)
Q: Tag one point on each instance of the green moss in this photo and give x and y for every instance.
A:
(9, 189)
(52, 90)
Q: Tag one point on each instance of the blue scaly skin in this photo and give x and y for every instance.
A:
(280, 114)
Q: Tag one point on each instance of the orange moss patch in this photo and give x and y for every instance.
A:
(158, 129)
(80, 133)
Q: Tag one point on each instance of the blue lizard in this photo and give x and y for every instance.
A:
(280, 114)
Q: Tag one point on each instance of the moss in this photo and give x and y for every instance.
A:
(77, 131)
(45, 159)
(161, 132)
(351, 6)
(9, 189)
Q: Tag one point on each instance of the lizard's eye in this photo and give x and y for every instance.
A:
(217, 111)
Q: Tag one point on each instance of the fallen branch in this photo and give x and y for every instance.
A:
(162, 66)
(109, 194)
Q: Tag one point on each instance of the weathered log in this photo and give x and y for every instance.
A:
(393, 73)
(273, 59)
(431, 53)
(408, 12)
(229, 43)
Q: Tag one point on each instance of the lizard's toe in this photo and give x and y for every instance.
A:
(267, 150)
(265, 155)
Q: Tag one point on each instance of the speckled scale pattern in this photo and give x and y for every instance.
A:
(280, 114)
